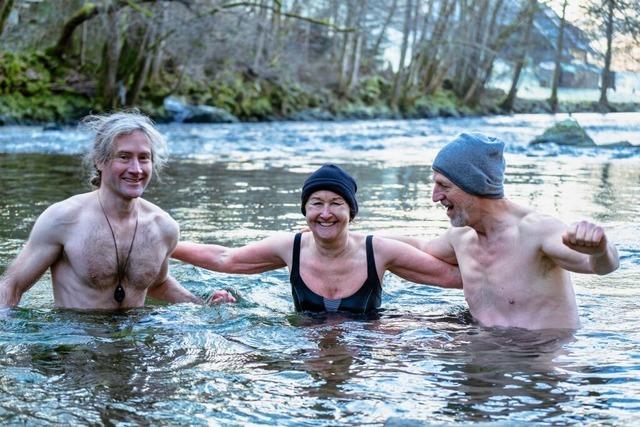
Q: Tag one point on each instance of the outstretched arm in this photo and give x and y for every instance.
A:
(268, 254)
(417, 266)
(582, 247)
(439, 247)
(40, 252)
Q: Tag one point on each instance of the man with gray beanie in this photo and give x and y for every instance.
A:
(514, 261)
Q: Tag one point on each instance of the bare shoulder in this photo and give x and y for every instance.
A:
(152, 214)
(279, 245)
(536, 223)
(68, 210)
(458, 234)
(282, 241)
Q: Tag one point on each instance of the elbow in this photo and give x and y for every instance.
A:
(602, 271)
(454, 278)
(611, 264)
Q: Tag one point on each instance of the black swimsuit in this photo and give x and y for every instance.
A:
(367, 298)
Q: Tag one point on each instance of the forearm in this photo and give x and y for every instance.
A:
(605, 263)
(171, 291)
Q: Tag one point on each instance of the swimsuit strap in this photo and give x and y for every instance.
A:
(294, 276)
(295, 262)
(372, 271)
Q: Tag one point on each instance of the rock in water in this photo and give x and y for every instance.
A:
(566, 132)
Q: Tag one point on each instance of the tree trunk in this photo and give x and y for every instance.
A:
(508, 102)
(262, 19)
(419, 48)
(5, 10)
(482, 71)
(603, 102)
(344, 54)
(431, 62)
(83, 14)
(357, 46)
(553, 100)
(387, 21)
(145, 57)
(156, 64)
(395, 92)
(111, 59)
(276, 30)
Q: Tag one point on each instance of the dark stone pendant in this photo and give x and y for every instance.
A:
(118, 295)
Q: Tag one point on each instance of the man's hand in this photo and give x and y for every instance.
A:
(585, 237)
(220, 297)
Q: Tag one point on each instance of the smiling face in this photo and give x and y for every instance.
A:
(459, 204)
(327, 214)
(129, 170)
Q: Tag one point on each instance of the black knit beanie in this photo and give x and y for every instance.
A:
(333, 178)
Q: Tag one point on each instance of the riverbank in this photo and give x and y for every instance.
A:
(37, 90)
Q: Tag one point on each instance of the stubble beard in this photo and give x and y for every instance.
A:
(460, 219)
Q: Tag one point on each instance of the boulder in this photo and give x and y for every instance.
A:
(52, 126)
(566, 132)
(209, 114)
(182, 112)
(311, 114)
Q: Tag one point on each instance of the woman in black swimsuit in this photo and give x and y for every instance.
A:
(331, 268)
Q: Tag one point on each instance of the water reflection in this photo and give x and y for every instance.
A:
(258, 362)
(507, 371)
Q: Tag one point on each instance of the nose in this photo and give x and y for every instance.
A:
(437, 195)
(134, 166)
(325, 211)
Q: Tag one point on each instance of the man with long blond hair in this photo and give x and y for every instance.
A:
(109, 248)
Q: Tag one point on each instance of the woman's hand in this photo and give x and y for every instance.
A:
(220, 297)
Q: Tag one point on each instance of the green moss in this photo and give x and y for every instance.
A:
(372, 90)
(30, 92)
(441, 103)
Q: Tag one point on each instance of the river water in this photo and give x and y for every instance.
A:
(421, 361)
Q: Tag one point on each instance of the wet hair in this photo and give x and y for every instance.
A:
(109, 127)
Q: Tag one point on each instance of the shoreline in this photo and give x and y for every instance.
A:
(202, 113)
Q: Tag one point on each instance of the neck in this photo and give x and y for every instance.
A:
(117, 207)
(333, 248)
(492, 216)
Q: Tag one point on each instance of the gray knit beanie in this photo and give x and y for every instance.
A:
(474, 162)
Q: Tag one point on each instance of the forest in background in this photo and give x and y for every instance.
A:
(293, 59)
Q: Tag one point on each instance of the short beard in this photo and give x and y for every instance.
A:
(460, 220)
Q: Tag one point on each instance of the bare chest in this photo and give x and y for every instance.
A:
(498, 270)
(91, 253)
(339, 278)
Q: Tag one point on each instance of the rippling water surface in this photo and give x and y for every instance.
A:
(422, 360)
